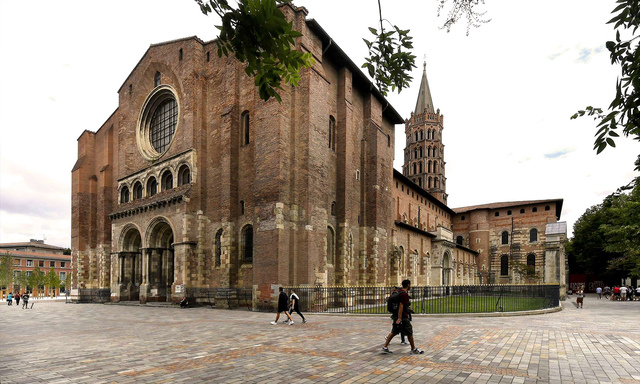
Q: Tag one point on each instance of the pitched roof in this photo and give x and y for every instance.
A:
(29, 244)
(508, 204)
(36, 255)
(424, 95)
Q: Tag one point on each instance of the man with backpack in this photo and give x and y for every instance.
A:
(402, 319)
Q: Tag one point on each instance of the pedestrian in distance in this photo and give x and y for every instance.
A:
(25, 300)
(283, 300)
(623, 293)
(580, 298)
(10, 299)
(599, 292)
(402, 321)
(17, 299)
(295, 306)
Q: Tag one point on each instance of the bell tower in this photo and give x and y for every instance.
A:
(424, 152)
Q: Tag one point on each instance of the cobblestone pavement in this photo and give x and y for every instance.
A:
(92, 343)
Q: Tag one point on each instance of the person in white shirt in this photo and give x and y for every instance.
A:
(623, 293)
(599, 292)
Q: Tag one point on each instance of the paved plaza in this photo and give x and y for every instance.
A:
(93, 343)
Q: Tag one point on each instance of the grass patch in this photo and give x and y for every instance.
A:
(468, 304)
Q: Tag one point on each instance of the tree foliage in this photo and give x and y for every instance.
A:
(623, 114)
(6, 270)
(606, 238)
(258, 34)
(52, 280)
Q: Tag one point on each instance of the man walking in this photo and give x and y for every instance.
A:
(282, 307)
(402, 321)
(295, 306)
(599, 292)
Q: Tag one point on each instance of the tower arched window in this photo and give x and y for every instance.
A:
(459, 240)
(137, 190)
(124, 195)
(152, 187)
(414, 168)
(504, 265)
(421, 135)
(420, 167)
(420, 151)
(332, 133)
(333, 208)
(429, 166)
(429, 182)
(247, 244)
(241, 207)
(504, 238)
(415, 153)
(416, 135)
(167, 180)
(245, 125)
(533, 235)
(218, 258)
(184, 175)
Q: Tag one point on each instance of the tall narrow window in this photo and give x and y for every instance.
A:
(330, 246)
(421, 135)
(137, 190)
(332, 133)
(459, 240)
(152, 187)
(124, 195)
(333, 208)
(533, 235)
(218, 259)
(157, 78)
(167, 181)
(180, 54)
(429, 166)
(505, 238)
(414, 168)
(242, 207)
(531, 260)
(416, 135)
(247, 244)
(245, 127)
(420, 167)
(504, 265)
(184, 175)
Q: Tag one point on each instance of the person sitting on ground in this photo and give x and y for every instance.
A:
(184, 303)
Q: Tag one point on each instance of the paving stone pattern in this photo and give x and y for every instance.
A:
(93, 343)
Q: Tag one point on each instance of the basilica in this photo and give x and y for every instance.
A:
(195, 182)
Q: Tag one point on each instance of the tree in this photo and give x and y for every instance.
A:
(66, 251)
(20, 280)
(624, 110)
(6, 270)
(52, 280)
(258, 34)
(606, 238)
(36, 279)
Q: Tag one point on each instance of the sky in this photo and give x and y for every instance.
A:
(506, 90)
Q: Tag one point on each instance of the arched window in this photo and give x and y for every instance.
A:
(414, 168)
(522, 210)
(244, 125)
(247, 244)
(533, 235)
(420, 167)
(167, 181)
(137, 190)
(184, 175)
(459, 240)
(429, 152)
(531, 260)
(504, 265)
(420, 151)
(333, 208)
(124, 195)
(421, 135)
(416, 136)
(218, 259)
(505, 238)
(241, 207)
(534, 209)
(157, 79)
(331, 241)
(547, 208)
(429, 167)
(415, 153)
(509, 213)
(429, 183)
(152, 187)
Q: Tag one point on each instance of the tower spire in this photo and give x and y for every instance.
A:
(424, 96)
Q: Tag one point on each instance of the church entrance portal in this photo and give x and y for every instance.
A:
(159, 262)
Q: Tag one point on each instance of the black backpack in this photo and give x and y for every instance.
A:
(393, 302)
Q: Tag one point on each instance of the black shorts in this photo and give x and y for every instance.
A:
(404, 327)
(283, 309)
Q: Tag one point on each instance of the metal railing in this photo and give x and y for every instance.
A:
(430, 300)
(94, 295)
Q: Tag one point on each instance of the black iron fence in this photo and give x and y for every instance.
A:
(434, 300)
(228, 298)
(94, 295)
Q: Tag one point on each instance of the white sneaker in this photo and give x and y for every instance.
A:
(273, 323)
(291, 323)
